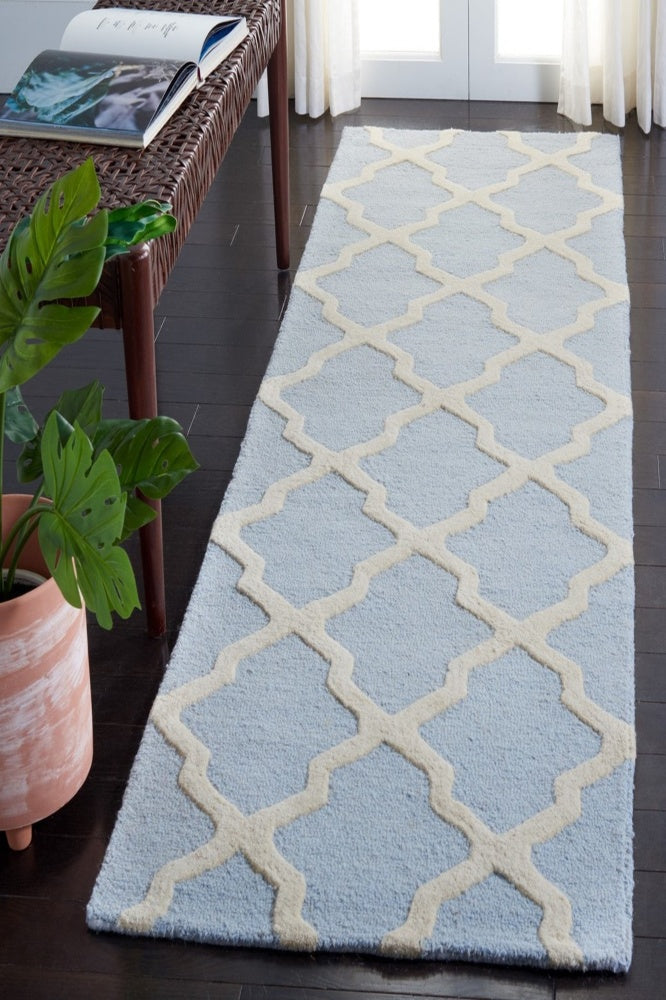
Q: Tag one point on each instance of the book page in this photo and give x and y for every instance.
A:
(160, 34)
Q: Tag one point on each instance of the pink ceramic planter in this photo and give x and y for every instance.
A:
(45, 709)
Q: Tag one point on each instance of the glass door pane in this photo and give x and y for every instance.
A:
(386, 32)
(528, 31)
(515, 48)
(415, 49)
(512, 58)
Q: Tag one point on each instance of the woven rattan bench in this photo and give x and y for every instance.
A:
(178, 167)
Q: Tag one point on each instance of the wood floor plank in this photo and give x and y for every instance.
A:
(649, 909)
(36, 984)
(651, 586)
(645, 271)
(644, 204)
(649, 542)
(640, 248)
(651, 677)
(650, 508)
(650, 840)
(647, 471)
(282, 993)
(650, 405)
(650, 294)
(645, 375)
(651, 723)
(187, 333)
(650, 784)
(645, 225)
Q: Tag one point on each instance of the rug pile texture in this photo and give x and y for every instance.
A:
(399, 715)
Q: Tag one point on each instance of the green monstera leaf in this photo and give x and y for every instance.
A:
(20, 425)
(138, 223)
(79, 533)
(75, 406)
(151, 456)
(57, 254)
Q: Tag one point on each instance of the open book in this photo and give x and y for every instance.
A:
(119, 75)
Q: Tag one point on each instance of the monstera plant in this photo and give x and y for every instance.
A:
(85, 470)
(89, 479)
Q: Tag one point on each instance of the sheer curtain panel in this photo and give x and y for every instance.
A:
(324, 57)
(327, 59)
(633, 70)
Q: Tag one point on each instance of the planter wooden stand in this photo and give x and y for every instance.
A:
(45, 708)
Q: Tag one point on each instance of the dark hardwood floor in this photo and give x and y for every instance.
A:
(217, 321)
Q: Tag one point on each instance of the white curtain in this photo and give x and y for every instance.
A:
(327, 61)
(324, 56)
(633, 70)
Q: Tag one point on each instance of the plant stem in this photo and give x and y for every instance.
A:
(32, 514)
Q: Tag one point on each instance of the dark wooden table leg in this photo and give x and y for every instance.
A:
(140, 372)
(279, 124)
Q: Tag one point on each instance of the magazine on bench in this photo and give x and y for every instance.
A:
(119, 75)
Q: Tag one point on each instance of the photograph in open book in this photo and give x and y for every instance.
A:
(93, 91)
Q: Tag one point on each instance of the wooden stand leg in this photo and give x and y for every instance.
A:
(279, 125)
(140, 371)
(20, 838)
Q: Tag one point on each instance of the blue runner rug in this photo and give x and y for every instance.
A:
(399, 715)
